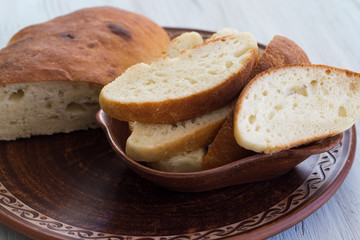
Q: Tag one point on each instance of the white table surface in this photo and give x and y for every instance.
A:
(328, 31)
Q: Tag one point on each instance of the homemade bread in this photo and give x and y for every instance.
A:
(156, 142)
(222, 33)
(199, 131)
(285, 107)
(224, 149)
(169, 90)
(51, 73)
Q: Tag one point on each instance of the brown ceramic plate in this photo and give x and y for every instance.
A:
(74, 186)
(258, 167)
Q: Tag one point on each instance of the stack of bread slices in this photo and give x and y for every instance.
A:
(215, 93)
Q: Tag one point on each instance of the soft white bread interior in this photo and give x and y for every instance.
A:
(169, 90)
(62, 106)
(289, 106)
(156, 142)
(280, 51)
(183, 42)
(182, 162)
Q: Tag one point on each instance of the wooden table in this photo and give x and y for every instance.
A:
(328, 30)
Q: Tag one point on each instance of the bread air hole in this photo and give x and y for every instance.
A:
(342, 112)
(252, 119)
(159, 74)
(278, 107)
(328, 72)
(75, 107)
(191, 81)
(16, 96)
(313, 85)
(149, 82)
(229, 64)
(299, 90)
(271, 115)
(295, 105)
(265, 93)
(352, 87)
(212, 72)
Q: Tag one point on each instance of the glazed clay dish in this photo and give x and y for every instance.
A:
(255, 168)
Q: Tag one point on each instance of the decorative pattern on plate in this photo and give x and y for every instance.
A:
(324, 167)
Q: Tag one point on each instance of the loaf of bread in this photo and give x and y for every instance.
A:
(285, 107)
(52, 73)
(280, 51)
(156, 142)
(169, 90)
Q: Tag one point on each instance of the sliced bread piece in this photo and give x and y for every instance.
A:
(183, 162)
(224, 149)
(183, 42)
(198, 81)
(156, 142)
(293, 105)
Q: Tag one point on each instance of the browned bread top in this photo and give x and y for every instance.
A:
(89, 45)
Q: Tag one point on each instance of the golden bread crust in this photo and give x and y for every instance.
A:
(88, 45)
(180, 109)
(279, 52)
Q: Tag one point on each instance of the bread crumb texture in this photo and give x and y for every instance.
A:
(156, 142)
(195, 71)
(290, 106)
(47, 108)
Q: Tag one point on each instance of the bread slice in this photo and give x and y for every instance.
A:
(51, 73)
(280, 51)
(183, 42)
(293, 105)
(190, 160)
(156, 142)
(198, 81)
(183, 162)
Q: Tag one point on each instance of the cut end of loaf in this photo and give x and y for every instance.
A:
(44, 108)
(290, 106)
